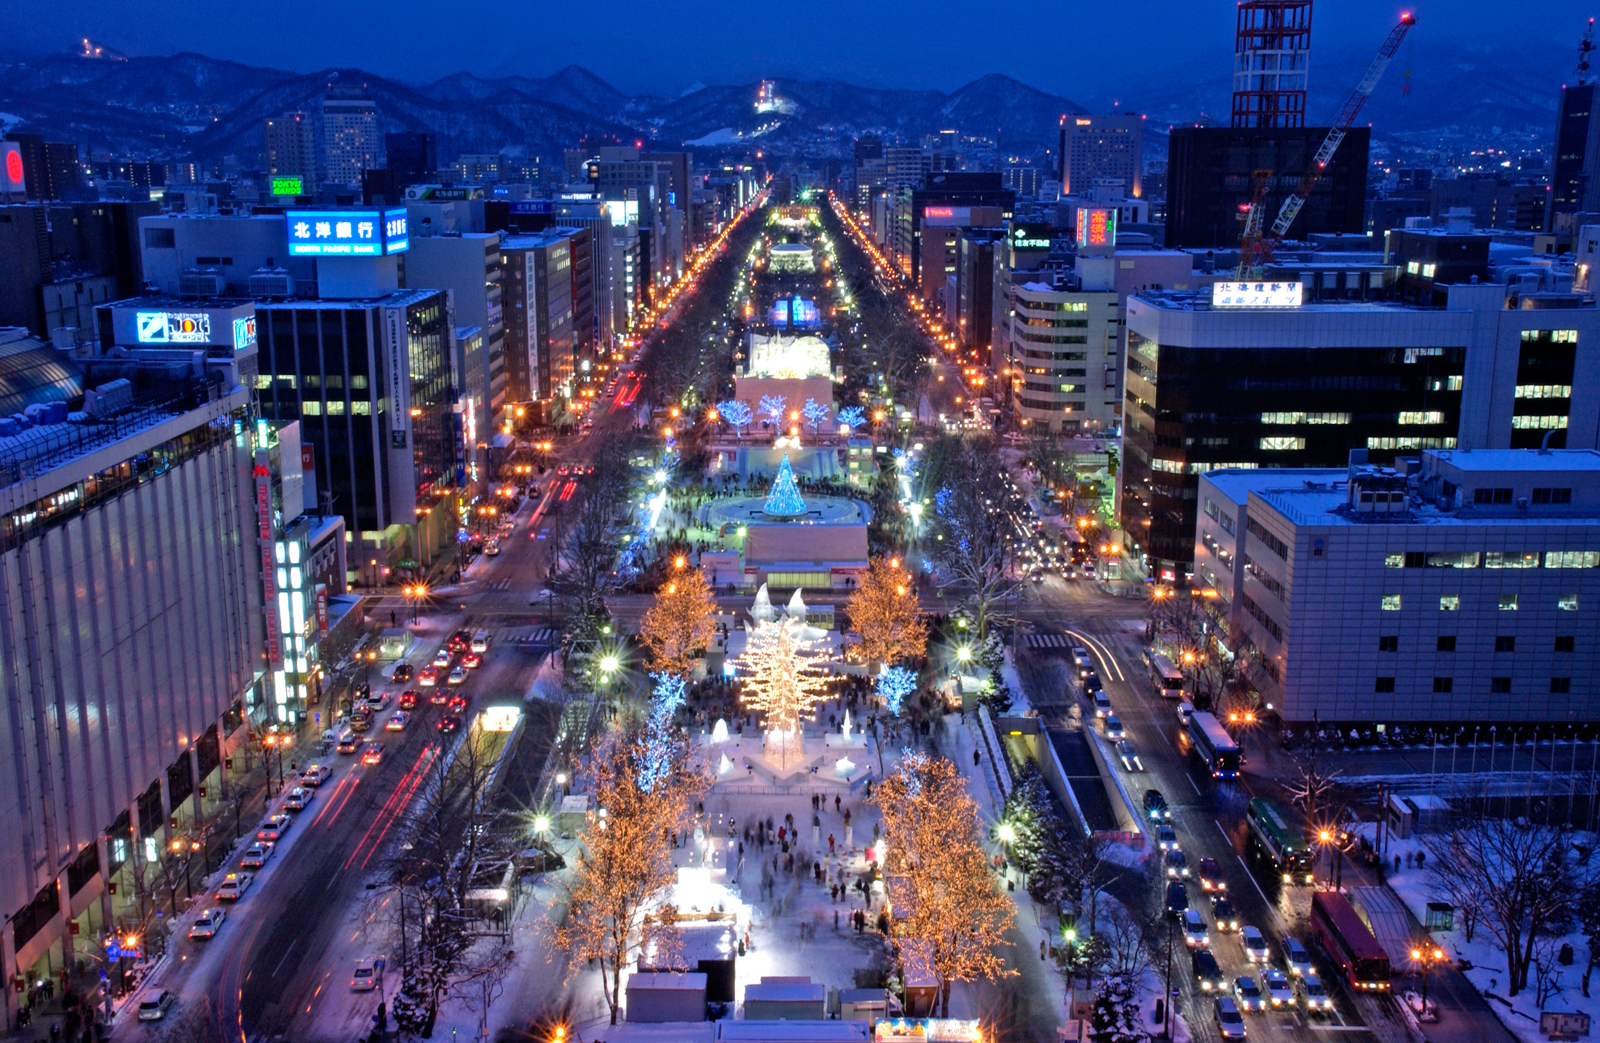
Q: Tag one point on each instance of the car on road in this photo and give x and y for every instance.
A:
(273, 827)
(472, 660)
(315, 775)
(1313, 997)
(1082, 660)
(205, 925)
(1129, 756)
(442, 658)
(1247, 994)
(371, 752)
(1177, 864)
(457, 703)
(397, 721)
(402, 673)
(155, 1008)
(1222, 912)
(1207, 973)
(1296, 956)
(1114, 729)
(1155, 806)
(365, 976)
(408, 699)
(493, 549)
(458, 641)
(427, 677)
(1279, 994)
(449, 723)
(458, 675)
(1211, 875)
(298, 798)
(1166, 837)
(1092, 684)
(1255, 946)
(1195, 935)
(438, 697)
(1177, 898)
(234, 885)
(1229, 1021)
(480, 642)
(377, 699)
(1185, 711)
(257, 855)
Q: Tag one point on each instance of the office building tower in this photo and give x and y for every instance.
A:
(1272, 47)
(50, 168)
(1057, 341)
(1462, 586)
(1575, 157)
(132, 631)
(350, 134)
(928, 222)
(1491, 202)
(904, 168)
(1211, 180)
(1089, 148)
(1232, 378)
(476, 168)
(412, 155)
(538, 316)
(679, 167)
(468, 265)
(292, 148)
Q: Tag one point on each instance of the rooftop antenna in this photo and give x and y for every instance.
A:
(1585, 49)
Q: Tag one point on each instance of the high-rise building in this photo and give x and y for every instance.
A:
(350, 134)
(1575, 157)
(538, 313)
(412, 155)
(904, 168)
(929, 221)
(50, 167)
(1229, 380)
(1272, 45)
(468, 265)
(1093, 147)
(679, 167)
(1211, 180)
(292, 147)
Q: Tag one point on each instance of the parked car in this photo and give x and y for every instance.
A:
(1195, 935)
(402, 673)
(365, 976)
(273, 827)
(1229, 1022)
(1211, 875)
(1255, 946)
(234, 885)
(377, 699)
(315, 775)
(1207, 972)
(155, 1008)
(205, 925)
(298, 798)
(1129, 756)
(257, 855)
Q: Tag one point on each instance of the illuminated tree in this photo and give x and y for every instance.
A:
(679, 623)
(852, 417)
(884, 610)
(663, 738)
(772, 407)
(974, 538)
(815, 412)
(736, 413)
(951, 912)
(894, 684)
(781, 676)
(624, 861)
(784, 500)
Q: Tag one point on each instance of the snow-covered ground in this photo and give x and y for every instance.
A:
(1487, 973)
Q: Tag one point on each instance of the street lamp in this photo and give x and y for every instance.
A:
(1426, 957)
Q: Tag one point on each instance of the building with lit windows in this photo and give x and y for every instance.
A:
(1093, 147)
(1460, 588)
(350, 134)
(292, 147)
(1058, 340)
(540, 344)
(1247, 377)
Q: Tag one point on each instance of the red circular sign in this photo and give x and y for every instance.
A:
(14, 167)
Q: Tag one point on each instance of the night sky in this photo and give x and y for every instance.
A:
(1072, 47)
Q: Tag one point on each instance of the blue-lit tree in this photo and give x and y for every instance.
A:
(736, 413)
(815, 412)
(663, 740)
(852, 417)
(784, 500)
(772, 407)
(894, 684)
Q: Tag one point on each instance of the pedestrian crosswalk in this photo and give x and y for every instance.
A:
(527, 635)
(499, 584)
(1049, 641)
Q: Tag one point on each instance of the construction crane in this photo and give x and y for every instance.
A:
(1253, 247)
(1336, 133)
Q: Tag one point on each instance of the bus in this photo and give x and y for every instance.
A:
(1284, 848)
(1167, 678)
(1214, 745)
(1348, 942)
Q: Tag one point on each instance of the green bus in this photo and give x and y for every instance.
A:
(1278, 841)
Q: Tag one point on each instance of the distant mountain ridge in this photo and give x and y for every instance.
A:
(192, 106)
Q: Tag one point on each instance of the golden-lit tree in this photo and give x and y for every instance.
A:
(781, 676)
(885, 612)
(949, 912)
(624, 861)
(679, 623)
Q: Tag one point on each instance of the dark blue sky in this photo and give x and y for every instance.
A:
(1072, 47)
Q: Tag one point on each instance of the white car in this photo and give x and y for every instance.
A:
(233, 886)
(1312, 995)
(257, 855)
(155, 1008)
(298, 798)
(397, 721)
(1166, 837)
(458, 675)
(1247, 994)
(1195, 935)
(1279, 994)
(1114, 726)
(1255, 946)
(206, 924)
(315, 775)
(1299, 960)
(442, 658)
(365, 977)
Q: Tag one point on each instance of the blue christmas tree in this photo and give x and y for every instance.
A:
(784, 501)
(894, 684)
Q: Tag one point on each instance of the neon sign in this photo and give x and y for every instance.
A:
(346, 233)
(287, 186)
(174, 327)
(1257, 295)
(1096, 228)
(244, 333)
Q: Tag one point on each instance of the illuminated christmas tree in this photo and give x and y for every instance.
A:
(781, 675)
(784, 501)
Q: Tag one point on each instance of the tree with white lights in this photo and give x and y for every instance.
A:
(736, 413)
(894, 684)
(815, 412)
(852, 417)
(679, 623)
(772, 407)
(781, 676)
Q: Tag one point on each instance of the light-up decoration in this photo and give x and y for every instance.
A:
(894, 683)
(784, 501)
(287, 186)
(789, 357)
(1097, 228)
(173, 327)
(499, 718)
(663, 740)
(347, 233)
(1257, 294)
